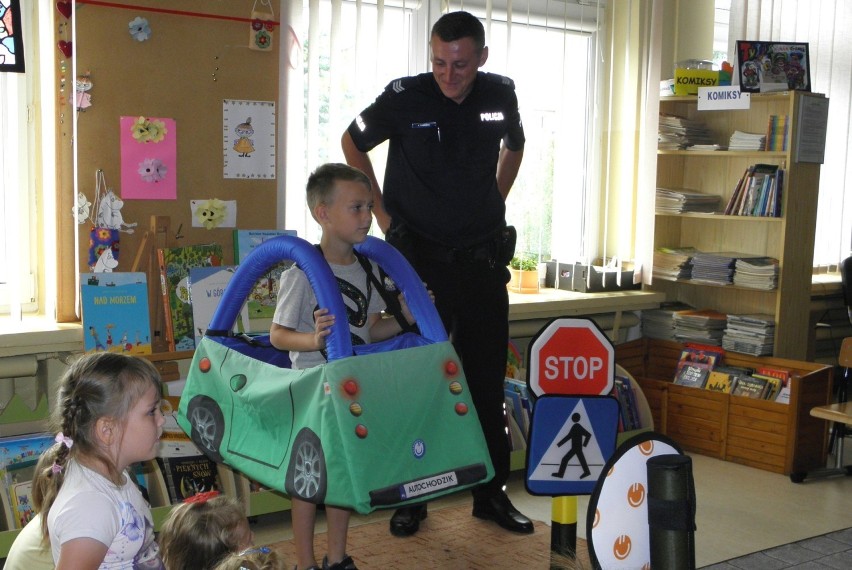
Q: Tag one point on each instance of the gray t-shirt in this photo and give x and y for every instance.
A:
(297, 302)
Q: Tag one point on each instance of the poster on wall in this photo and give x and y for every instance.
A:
(148, 158)
(248, 139)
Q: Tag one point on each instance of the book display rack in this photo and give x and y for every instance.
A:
(774, 436)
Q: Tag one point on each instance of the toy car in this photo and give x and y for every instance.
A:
(390, 425)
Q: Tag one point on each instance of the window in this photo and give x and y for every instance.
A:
(336, 73)
(26, 150)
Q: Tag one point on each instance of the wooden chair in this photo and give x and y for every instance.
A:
(840, 430)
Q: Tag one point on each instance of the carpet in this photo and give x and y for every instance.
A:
(450, 538)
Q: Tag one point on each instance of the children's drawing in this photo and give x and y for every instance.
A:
(244, 145)
(249, 139)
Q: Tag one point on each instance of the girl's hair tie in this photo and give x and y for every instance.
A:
(60, 438)
(56, 468)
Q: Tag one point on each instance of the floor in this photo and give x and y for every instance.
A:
(740, 511)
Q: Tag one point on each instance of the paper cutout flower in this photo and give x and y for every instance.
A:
(152, 170)
(145, 130)
(210, 213)
(139, 29)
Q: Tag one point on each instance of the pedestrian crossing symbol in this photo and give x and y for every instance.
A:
(571, 439)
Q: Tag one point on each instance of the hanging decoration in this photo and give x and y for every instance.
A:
(82, 98)
(262, 26)
(106, 226)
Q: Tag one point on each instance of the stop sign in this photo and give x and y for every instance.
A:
(571, 357)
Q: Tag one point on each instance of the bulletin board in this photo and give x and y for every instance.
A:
(175, 64)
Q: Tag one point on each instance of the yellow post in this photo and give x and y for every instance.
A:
(563, 530)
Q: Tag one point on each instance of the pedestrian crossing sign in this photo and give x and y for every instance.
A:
(571, 439)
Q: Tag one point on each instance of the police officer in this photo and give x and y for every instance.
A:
(456, 143)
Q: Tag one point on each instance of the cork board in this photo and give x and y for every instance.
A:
(194, 59)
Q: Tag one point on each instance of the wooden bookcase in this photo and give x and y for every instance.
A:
(789, 238)
(783, 438)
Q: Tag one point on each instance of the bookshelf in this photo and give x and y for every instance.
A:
(789, 238)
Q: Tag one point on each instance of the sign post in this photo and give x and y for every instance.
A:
(569, 357)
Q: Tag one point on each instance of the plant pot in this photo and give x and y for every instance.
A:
(523, 281)
(513, 279)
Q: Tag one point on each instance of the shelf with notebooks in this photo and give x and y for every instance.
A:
(787, 237)
(770, 435)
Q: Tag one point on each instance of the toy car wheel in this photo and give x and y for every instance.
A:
(306, 474)
(208, 425)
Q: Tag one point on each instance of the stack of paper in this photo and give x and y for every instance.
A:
(750, 334)
(756, 273)
(714, 268)
(672, 263)
(741, 140)
(678, 133)
(704, 326)
(659, 323)
(679, 200)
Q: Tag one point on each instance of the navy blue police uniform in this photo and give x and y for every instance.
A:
(448, 219)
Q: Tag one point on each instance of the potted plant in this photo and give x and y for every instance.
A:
(524, 270)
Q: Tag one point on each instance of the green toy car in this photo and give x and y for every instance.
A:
(385, 425)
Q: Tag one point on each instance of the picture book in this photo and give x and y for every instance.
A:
(175, 263)
(186, 470)
(206, 287)
(21, 494)
(623, 392)
(750, 387)
(773, 386)
(702, 354)
(517, 405)
(18, 458)
(115, 314)
(188, 475)
(692, 375)
(719, 381)
(264, 294)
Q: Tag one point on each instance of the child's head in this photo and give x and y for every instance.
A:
(199, 533)
(325, 182)
(96, 412)
(253, 559)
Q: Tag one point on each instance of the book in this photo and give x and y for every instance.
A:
(174, 264)
(773, 386)
(720, 381)
(115, 314)
(206, 287)
(18, 458)
(186, 470)
(750, 387)
(700, 354)
(264, 294)
(692, 375)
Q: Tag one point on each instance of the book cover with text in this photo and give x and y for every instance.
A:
(206, 287)
(115, 314)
